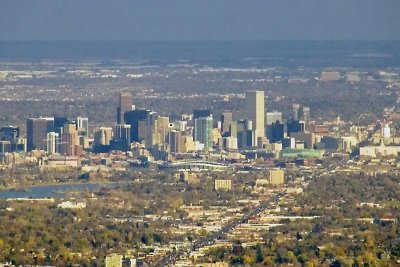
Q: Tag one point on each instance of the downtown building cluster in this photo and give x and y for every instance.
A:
(149, 136)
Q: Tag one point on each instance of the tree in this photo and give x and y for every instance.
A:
(237, 260)
(259, 254)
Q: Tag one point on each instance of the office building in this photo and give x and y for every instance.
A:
(136, 118)
(103, 136)
(114, 260)
(288, 142)
(233, 129)
(244, 133)
(69, 139)
(122, 137)
(37, 129)
(379, 151)
(272, 117)
(319, 129)
(295, 126)
(5, 147)
(178, 126)
(225, 185)
(124, 105)
(306, 137)
(83, 126)
(122, 131)
(277, 132)
(203, 127)
(255, 111)
(199, 113)
(305, 115)
(151, 136)
(276, 177)
(59, 124)
(296, 112)
(102, 140)
(84, 142)
(226, 121)
(163, 127)
(246, 139)
(228, 143)
(176, 141)
(53, 141)
(9, 133)
(330, 143)
(188, 144)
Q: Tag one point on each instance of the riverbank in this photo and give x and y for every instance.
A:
(23, 187)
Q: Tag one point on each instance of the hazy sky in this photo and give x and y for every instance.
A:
(200, 20)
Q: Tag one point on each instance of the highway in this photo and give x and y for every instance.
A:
(170, 258)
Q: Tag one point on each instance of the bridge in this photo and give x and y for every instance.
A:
(195, 165)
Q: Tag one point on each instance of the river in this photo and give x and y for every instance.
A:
(51, 191)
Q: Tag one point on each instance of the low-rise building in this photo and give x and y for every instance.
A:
(276, 177)
(225, 185)
(72, 205)
(114, 260)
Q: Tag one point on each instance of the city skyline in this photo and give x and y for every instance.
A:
(209, 133)
(174, 160)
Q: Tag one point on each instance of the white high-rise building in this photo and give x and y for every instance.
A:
(255, 111)
(122, 131)
(52, 141)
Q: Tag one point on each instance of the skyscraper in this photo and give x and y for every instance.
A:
(203, 131)
(37, 129)
(226, 119)
(175, 141)
(5, 147)
(124, 105)
(69, 139)
(9, 133)
(277, 132)
(294, 126)
(122, 131)
(245, 133)
(305, 114)
(135, 118)
(59, 124)
(272, 117)
(102, 136)
(296, 111)
(122, 137)
(151, 127)
(52, 142)
(198, 113)
(163, 129)
(255, 110)
(83, 126)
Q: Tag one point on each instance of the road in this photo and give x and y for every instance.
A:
(170, 258)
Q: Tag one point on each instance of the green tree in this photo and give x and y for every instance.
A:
(259, 254)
